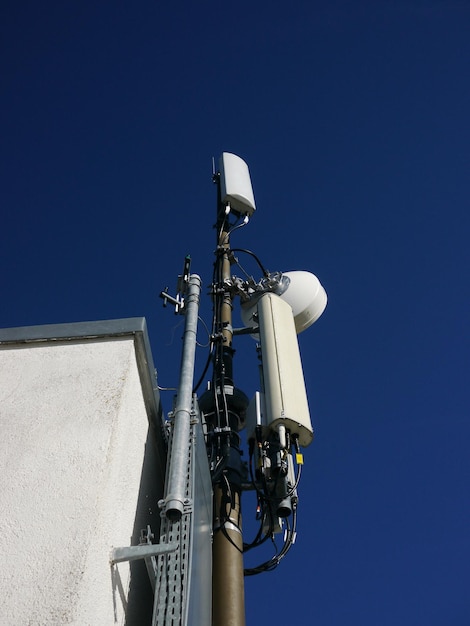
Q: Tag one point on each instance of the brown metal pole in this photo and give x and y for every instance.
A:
(228, 590)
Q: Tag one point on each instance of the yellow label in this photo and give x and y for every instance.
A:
(299, 458)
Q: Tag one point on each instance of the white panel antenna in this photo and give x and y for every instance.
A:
(235, 184)
(285, 395)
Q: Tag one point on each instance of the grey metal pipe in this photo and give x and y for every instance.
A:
(179, 453)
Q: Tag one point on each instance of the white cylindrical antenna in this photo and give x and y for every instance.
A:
(281, 429)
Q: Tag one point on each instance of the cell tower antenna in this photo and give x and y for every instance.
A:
(274, 310)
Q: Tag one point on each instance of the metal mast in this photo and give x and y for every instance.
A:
(274, 309)
(228, 595)
(176, 486)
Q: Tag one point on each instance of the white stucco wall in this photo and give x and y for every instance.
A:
(73, 430)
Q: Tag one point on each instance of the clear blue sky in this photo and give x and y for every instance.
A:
(354, 120)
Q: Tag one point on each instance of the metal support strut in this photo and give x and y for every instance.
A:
(175, 500)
